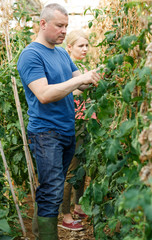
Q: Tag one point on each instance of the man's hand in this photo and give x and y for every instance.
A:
(91, 77)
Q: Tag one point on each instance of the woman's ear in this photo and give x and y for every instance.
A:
(69, 48)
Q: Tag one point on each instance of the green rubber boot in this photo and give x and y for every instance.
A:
(48, 228)
(35, 223)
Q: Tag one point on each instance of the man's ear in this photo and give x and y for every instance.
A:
(43, 24)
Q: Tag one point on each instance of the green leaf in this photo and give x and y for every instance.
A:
(94, 128)
(111, 63)
(96, 14)
(109, 209)
(103, 102)
(4, 226)
(101, 89)
(136, 145)
(90, 24)
(16, 169)
(111, 169)
(90, 111)
(113, 147)
(2, 132)
(129, 59)
(105, 186)
(3, 213)
(117, 59)
(110, 35)
(126, 42)
(18, 157)
(5, 237)
(80, 173)
(126, 92)
(150, 27)
(121, 180)
(85, 202)
(6, 107)
(130, 5)
(148, 211)
(97, 192)
(85, 95)
(106, 108)
(14, 140)
(132, 198)
(86, 10)
(129, 237)
(126, 227)
(126, 128)
(114, 167)
(144, 75)
(96, 210)
(99, 231)
(112, 224)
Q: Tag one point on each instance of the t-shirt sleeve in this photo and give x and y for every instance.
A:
(73, 66)
(30, 66)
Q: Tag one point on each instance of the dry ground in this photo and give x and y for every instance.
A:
(86, 234)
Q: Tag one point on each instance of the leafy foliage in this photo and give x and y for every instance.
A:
(116, 199)
(10, 130)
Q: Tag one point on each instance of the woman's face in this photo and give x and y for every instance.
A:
(79, 50)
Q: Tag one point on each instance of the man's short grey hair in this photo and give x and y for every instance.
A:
(48, 11)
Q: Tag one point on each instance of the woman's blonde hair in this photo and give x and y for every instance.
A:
(73, 36)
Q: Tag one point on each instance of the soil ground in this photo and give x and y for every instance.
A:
(86, 234)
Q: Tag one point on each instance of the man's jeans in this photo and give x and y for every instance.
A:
(53, 153)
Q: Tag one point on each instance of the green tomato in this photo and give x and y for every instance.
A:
(137, 219)
(135, 163)
(140, 213)
(128, 214)
(121, 206)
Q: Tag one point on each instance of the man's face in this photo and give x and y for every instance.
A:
(54, 31)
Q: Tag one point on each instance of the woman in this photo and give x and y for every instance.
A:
(77, 47)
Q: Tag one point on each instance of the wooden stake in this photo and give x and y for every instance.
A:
(12, 191)
(31, 171)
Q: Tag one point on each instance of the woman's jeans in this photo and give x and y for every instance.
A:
(66, 204)
(53, 153)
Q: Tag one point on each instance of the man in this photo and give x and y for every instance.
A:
(49, 77)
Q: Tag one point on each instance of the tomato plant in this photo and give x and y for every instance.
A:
(116, 200)
(116, 195)
(10, 130)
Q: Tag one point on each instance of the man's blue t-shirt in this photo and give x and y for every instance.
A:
(37, 61)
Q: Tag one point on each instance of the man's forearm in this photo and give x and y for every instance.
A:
(55, 92)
